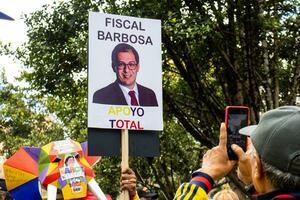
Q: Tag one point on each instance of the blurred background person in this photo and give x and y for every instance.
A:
(226, 194)
(145, 193)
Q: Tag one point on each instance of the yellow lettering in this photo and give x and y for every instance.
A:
(111, 111)
(118, 109)
(126, 111)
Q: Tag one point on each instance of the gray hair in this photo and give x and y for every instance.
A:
(280, 180)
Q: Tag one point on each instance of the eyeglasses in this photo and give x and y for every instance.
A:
(131, 65)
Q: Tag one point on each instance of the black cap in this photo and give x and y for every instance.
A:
(277, 138)
(146, 192)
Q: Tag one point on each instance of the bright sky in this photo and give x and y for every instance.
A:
(15, 31)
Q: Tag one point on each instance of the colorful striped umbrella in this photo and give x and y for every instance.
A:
(62, 165)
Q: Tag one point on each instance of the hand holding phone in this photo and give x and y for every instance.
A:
(236, 117)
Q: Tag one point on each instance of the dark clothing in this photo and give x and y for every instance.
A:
(277, 195)
(274, 195)
(113, 95)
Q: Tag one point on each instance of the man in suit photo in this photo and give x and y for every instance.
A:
(125, 90)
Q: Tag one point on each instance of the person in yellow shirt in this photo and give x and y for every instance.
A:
(215, 164)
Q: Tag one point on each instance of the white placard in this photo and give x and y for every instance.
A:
(112, 64)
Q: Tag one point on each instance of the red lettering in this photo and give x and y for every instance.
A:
(126, 123)
(119, 124)
(132, 125)
(139, 126)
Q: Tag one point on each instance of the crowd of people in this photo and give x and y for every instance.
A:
(271, 165)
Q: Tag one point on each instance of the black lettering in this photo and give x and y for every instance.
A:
(132, 110)
(124, 37)
(141, 28)
(118, 23)
(134, 26)
(107, 21)
(100, 35)
(133, 39)
(140, 112)
(117, 37)
(108, 36)
(141, 39)
(126, 22)
(149, 40)
(112, 122)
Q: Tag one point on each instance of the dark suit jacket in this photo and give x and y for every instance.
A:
(113, 95)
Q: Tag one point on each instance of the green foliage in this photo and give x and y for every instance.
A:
(179, 155)
(23, 120)
(215, 53)
(58, 51)
(108, 173)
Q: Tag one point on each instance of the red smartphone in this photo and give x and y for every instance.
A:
(236, 117)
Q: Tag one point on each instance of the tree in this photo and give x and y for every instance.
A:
(215, 53)
(23, 119)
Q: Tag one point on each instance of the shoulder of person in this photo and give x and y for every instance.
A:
(145, 89)
(108, 88)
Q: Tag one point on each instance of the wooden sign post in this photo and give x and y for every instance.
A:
(124, 163)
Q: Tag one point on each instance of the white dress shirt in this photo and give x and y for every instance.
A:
(125, 91)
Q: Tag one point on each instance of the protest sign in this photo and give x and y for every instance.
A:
(124, 82)
(124, 73)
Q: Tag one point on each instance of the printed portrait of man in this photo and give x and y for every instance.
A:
(125, 90)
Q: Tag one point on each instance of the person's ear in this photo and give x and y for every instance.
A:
(138, 68)
(259, 172)
(113, 67)
(258, 177)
